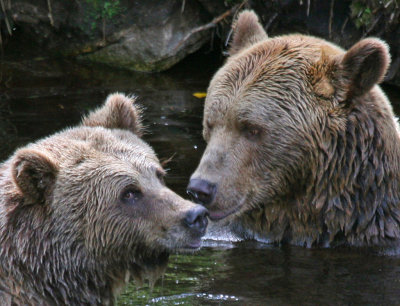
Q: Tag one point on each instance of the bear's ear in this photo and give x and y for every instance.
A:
(34, 173)
(364, 65)
(246, 31)
(118, 112)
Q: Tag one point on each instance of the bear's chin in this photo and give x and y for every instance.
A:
(152, 267)
(186, 246)
(191, 246)
(149, 268)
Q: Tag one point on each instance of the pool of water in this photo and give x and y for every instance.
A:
(39, 97)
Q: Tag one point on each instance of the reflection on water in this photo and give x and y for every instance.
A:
(254, 273)
(40, 97)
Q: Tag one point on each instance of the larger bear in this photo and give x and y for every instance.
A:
(302, 145)
(86, 209)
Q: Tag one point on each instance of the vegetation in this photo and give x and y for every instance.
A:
(367, 13)
(101, 11)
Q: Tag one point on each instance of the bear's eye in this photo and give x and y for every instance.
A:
(251, 132)
(130, 196)
(209, 124)
(160, 175)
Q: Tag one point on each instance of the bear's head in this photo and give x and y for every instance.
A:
(95, 195)
(271, 110)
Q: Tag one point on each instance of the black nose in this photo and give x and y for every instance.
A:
(201, 191)
(196, 219)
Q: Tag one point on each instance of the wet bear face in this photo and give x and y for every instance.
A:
(100, 188)
(267, 113)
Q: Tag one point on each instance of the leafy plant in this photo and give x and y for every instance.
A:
(361, 14)
(103, 11)
(366, 12)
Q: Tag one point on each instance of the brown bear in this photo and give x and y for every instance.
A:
(302, 145)
(83, 210)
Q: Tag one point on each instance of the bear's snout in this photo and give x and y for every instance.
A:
(196, 220)
(202, 191)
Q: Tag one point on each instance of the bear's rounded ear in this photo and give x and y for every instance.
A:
(34, 173)
(118, 112)
(364, 65)
(247, 31)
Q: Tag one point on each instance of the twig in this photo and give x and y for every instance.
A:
(183, 6)
(2, 56)
(228, 37)
(271, 20)
(166, 161)
(386, 5)
(372, 26)
(212, 41)
(331, 19)
(104, 29)
(3, 7)
(344, 25)
(308, 8)
(209, 25)
(50, 14)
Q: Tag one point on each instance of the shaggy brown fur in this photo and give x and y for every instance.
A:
(303, 145)
(83, 210)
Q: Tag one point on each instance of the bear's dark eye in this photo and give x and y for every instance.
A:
(209, 124)
(252, 132)
(160, 175)
(130, 196)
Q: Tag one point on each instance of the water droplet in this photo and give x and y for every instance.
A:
(195, 147)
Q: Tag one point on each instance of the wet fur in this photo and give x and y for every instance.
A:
(325, 170)
(64, 237)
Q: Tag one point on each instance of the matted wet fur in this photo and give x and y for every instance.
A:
(302, 145)
(85, 210)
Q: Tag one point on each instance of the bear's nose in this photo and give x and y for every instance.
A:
(196, 219)
(201, 191)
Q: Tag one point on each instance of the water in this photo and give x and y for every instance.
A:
(39, 97)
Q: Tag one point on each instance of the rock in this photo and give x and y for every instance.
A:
(153, 44)
(137, 35)
(145, 35)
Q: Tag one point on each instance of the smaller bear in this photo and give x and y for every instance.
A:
(85, 209)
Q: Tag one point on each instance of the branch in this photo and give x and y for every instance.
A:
(3, 7)
(50, 14)
(372, 25)
(330, 19)
(209, 25)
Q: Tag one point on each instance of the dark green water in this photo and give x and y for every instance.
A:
(39, 97)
